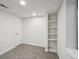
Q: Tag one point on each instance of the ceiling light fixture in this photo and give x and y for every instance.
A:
(22, 2)
(34, 14)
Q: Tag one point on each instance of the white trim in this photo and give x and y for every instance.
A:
(9, 48)
(34, 44)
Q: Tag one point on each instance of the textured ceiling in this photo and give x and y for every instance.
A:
(41, 7)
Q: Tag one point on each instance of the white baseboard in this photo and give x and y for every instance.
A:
(2, 52)
(33, 44)
(6, 50)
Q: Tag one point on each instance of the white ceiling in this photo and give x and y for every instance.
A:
(41, 7)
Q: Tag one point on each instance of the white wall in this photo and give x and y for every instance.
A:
(61, 30)
(19, 29)
(35, 31)
(9, 25)
(71, 21)
(66, 30)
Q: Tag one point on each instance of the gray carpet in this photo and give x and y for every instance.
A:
(24, 51)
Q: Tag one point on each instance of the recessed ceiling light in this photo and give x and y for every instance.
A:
(22, 2)
(34, 14)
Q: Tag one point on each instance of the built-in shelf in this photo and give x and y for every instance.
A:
(52, 33)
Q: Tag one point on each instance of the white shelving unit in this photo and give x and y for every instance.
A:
(52, 33)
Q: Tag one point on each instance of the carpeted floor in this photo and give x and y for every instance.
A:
(24, 51)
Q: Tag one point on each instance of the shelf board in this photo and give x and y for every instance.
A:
(52, 39)
(52, 50)
(53, 33)
(52, 20)
(52, 27)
